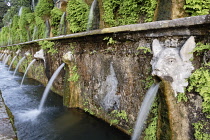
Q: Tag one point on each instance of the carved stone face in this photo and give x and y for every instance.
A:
(172, 64)
(39, 54)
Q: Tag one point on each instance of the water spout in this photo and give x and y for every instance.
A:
(46, 91)
(27, 70)
(34, 36)
(6, 60)
(47, 29)
(62, 26)
(21, 60)
(93, 18)
(12, 62)
(144, 110)
(20, 11)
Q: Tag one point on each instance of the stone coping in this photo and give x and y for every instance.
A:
(180, 22)
(6, 129)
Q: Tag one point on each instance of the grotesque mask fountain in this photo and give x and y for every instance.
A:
(40, 55)
(172, 64)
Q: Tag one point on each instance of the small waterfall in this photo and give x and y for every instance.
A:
(144, 110)
(47, 29)
(20, 11)
(46, 91)
(12, 62)
(6, 60)
(34, 36)
(62, 26)
(21, 60)
(27, 70)
(32, 5)
(94, 16)
(4, 57)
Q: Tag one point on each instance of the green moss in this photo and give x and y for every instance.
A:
(77, 15)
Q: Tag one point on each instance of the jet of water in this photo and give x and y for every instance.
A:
(91, 15)
(144, 110)
(21, 60)
(46, 91)
(6, 60)
(62, 26)
(12, 62)
(27, 71)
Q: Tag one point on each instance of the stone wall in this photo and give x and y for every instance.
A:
(113, 65)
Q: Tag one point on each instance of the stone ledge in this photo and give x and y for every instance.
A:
(175, 23)
(6, 129)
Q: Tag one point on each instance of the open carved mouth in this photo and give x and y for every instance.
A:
(157, 79)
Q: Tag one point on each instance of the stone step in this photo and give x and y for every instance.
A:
(6, 129)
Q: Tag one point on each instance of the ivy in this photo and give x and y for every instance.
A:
(77, 15)
(197, 7)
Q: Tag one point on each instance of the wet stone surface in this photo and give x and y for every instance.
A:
(6, 130)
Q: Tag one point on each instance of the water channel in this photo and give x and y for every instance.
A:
(55, 122)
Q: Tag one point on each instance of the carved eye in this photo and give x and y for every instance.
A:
(171, 60)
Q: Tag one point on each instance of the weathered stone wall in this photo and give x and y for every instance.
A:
(111, 65)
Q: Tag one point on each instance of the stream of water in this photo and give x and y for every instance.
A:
(27, 71)
(144, 111)
(55, 122)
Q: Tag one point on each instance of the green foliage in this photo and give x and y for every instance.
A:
(151, 130)
(40, 28)
(200, 81)
(55, 20)
(181, 97)
(118, 116)
(77, 15)
(199, 128)
(74, 75)
(145, 49)
(110, 40)
(200, 47)
(114, 122)
(148, 82)
(23, 24)
(44, 8)
(123, 12)
(197, 7)
(8, 16)
(47, 45)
